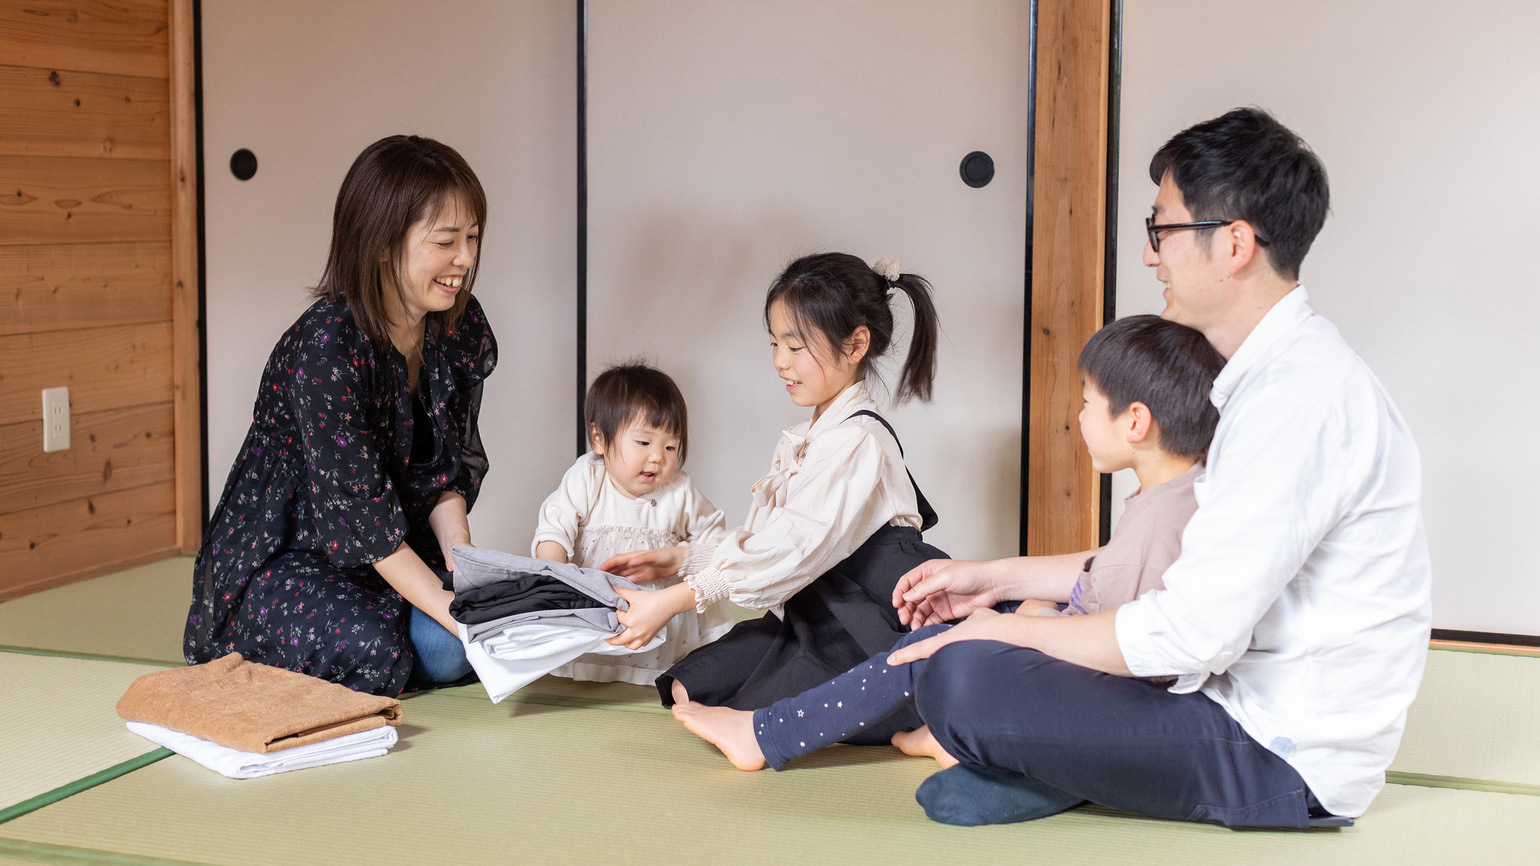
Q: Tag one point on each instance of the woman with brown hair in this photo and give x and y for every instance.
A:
(327, 550)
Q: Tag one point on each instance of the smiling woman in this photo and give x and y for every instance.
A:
(326, 551)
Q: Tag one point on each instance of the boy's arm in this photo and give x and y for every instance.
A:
(946, 589)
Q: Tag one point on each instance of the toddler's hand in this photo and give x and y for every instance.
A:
(645, 565)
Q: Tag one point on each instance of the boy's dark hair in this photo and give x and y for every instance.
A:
(1246, 165)
(1166, 366)
(395, 182)
(835, 293)
(631, 391)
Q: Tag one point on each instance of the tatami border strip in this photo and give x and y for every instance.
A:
(93, 657)
(43, 852)
(1460, 783)
(70, 789)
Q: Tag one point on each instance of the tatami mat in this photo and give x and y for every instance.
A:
(1475, 717)
(540, 783)
(138, 613)
(58, 724)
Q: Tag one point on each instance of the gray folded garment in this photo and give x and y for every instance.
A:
(476, 567)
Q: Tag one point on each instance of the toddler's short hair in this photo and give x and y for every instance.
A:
(632, 391)
(1166, 366)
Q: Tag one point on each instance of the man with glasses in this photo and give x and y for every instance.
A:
(1295, 622)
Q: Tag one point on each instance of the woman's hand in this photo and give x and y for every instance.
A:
(450, 525)
(942, 590)
(649, 611)
(982, 624)
(646, 565)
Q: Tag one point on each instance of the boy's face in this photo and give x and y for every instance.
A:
(1105, 437)
(640, 459)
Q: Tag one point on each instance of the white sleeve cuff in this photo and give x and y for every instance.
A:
(697, 557)
(710, 587)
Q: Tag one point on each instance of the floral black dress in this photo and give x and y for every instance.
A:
(328, 481)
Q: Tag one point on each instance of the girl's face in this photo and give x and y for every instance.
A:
(640, 459)
(436, 256)
(813, 378)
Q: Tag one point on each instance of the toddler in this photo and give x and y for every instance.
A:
(628, 494)
(1146, 384)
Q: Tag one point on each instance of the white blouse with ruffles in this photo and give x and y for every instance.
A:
(831, 485)
(593, 520)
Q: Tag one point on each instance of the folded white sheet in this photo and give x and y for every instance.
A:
(518, 656)
(251, 765)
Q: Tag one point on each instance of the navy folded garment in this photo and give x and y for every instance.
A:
(520, 593)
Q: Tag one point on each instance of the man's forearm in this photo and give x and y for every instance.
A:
(1089, 641)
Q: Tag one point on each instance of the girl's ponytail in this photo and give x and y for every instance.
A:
(920, 367)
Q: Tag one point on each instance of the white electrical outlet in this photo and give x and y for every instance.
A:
(56, 419)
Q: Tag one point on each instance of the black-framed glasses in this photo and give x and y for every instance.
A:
(1154, 230)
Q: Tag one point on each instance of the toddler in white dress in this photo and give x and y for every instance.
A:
(626, 495)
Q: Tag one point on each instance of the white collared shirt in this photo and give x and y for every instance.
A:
(831, 485)
(1302, 599)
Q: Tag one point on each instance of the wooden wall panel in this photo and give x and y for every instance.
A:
(1069, 228)
(107, 368)
(125, 37)
(48, 112)
(58, 544)
(76, 286)
(109, 451)
(60, 199)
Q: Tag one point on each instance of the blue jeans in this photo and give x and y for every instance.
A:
(1077, 734)
(438, 655)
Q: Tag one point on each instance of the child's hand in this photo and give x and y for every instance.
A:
(645, 565)
(1036, 607)
(648, 612)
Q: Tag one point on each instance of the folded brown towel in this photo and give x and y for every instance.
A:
(252, 707)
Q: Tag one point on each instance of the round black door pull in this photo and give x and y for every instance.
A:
(977, 169)
(243, 164)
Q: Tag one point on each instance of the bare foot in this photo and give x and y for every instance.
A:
(728, 729)
(680, 695)
(921, 744)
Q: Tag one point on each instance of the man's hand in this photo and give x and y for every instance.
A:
(942, 590)
(642, 566)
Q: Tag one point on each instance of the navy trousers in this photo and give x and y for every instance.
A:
(1124, 743)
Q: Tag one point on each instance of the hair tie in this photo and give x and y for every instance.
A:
(888, 269)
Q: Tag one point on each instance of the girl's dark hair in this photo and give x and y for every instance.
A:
(394, 183)
(632, 391)
(1167, 367)
(829, 295)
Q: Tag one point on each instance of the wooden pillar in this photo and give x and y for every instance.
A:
(1068, 266)
(187, 405)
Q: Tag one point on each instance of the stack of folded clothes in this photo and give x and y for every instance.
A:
(521, 618)
(246, 720)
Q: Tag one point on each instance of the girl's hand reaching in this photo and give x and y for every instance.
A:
(646, 565)
(649, 611)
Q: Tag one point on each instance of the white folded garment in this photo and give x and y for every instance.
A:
(251, 765)
(519, 655)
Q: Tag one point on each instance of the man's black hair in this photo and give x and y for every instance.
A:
(1246, 165)
(1166, 366)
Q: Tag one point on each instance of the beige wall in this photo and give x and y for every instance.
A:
(728, 137)
(1426, 115)
(307, 86)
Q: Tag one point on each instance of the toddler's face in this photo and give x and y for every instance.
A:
(1105, 437)
(640, 459)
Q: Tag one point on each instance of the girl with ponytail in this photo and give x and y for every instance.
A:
(833, 525)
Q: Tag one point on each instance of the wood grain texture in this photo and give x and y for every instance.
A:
(1069, 207)
(47, 200)
(109, 451)
(69, 541)
(104, 368)
(52, 113)
(184, 287)
(56, 286)
(126, 37)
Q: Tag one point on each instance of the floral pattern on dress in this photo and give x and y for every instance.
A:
(324, 486)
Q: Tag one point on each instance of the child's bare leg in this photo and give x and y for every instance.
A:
(730, 730)
(680, 695)
(922, 744)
